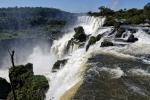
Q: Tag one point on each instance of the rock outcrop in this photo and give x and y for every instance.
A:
(58, 64)
(93, 40)
(80, 34)
(106, 43)
(27, 85)
(132, 38)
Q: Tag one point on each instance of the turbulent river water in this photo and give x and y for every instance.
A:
(73, 71)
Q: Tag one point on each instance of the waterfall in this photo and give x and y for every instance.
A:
(72, 72)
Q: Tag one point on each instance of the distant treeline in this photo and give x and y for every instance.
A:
(27, 17)
(130, 16)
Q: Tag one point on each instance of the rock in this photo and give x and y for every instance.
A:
(27, 85)
(58, 64)
(132, 38)
(91, 42)
(98, 37)
(133, 30)
(106, 44)
(5, 88)
(80, 34)
(119, 33)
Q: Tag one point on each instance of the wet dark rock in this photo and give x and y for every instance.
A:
(79, 38)
(5, 88)
(93, 40)
(98, 37)
(132, 38)
(27, 85)
(133, 30)
(58, 64)
(106, 43)
(80, 34)
(119, 33)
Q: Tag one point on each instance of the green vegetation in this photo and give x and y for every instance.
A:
(27, 85)
(5, 88)
(124, 16)
(28, 22)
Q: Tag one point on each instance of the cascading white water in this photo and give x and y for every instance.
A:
(90, 25)
(71, 73)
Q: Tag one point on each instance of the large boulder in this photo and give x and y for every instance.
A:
(106, 43)
(27, 85)
(80, 34)
(132, 38)
(58, 64)
(5, 88)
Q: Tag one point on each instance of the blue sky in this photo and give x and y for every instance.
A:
(75, 5)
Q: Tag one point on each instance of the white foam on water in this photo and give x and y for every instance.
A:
(115, 72)
(139, 72)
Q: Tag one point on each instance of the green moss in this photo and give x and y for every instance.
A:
(27, 85)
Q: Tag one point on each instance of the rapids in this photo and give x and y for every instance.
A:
(72, 72)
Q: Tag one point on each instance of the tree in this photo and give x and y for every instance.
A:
(104, 11)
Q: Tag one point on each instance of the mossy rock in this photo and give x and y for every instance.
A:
(27, 85)
(58, 64)
(80, 34)
(91, 42)
(5, 88)
(20, 73)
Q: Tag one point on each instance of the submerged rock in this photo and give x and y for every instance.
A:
(58, 64)
(5, 88)
(80, 34)
(27, 85)
(106, 44)
(132, 38)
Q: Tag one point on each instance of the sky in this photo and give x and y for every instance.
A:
(75, 5)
